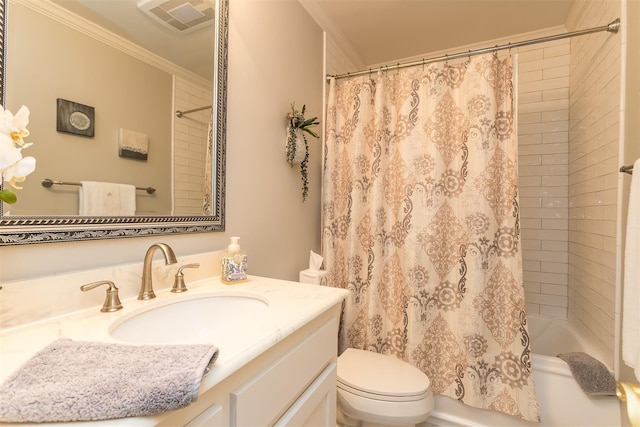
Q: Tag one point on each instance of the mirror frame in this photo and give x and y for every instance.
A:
(21, 230)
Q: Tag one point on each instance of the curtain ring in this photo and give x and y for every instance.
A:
(423, 60)
(446, 60)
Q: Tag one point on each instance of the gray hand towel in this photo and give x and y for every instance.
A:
(592, 375)
(84, 381)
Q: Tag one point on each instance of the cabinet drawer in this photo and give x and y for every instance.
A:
(267, 396)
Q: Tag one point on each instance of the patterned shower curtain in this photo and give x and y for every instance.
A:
(421, 224)
(208, 172)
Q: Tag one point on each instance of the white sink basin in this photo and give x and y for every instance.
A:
(199, 318)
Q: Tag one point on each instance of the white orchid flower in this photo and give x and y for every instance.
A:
(15, 125)
(13, 167)
(9, 153)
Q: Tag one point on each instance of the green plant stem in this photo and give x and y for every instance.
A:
(291, 145)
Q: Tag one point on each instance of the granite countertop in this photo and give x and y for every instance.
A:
(291, 306)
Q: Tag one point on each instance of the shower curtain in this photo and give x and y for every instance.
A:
(208, 172)
(421, 224)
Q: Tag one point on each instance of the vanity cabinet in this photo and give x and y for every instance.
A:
(291, 384)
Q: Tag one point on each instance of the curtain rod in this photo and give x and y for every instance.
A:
(179, 113)
(612, 27)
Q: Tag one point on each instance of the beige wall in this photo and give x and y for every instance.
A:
(275, 58)
(125, 92)
(594, 141)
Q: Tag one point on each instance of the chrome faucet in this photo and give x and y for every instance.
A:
(146, 290)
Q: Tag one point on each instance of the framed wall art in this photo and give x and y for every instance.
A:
(78, 119)
(132, 144)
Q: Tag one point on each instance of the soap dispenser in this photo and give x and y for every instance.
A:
(234, 264)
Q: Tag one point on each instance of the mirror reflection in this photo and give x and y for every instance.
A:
(134, 73)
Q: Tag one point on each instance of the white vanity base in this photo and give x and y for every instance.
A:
(292, 384)
(282, 372)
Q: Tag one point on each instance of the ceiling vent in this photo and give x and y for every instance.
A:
(182, 16)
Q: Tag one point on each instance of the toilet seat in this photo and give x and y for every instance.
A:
(382, 397)
(393, 380)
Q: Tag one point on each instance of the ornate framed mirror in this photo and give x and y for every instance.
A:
(50, 222)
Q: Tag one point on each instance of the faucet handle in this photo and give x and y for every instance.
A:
(111, 302)
(178, 283)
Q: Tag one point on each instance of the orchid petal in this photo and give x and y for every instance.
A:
(24, 167)
(9, 154)
(21, 119)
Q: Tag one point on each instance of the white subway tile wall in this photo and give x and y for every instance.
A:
(593, 173)
(337, 61)
(190, 139)
(543, 147)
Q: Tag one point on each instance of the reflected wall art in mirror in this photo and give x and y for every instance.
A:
(150, 95)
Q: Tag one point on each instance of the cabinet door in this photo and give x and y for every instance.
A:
(267, 396)
(212, 416)
(316, 406)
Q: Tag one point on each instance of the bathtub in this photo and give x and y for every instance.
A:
(561, 400)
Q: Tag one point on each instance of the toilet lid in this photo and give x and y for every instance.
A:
(380, 374)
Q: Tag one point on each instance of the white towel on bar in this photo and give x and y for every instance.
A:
(107, 199)
(631, 298)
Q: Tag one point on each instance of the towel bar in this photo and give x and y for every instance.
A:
(627, 169)
(49, 182)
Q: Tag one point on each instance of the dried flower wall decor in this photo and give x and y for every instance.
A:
(297, 147)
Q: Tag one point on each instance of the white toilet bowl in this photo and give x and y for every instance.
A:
(380, 390)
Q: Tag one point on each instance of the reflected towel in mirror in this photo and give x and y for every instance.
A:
(107, 199)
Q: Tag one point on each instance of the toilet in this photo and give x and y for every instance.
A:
(376, 390)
